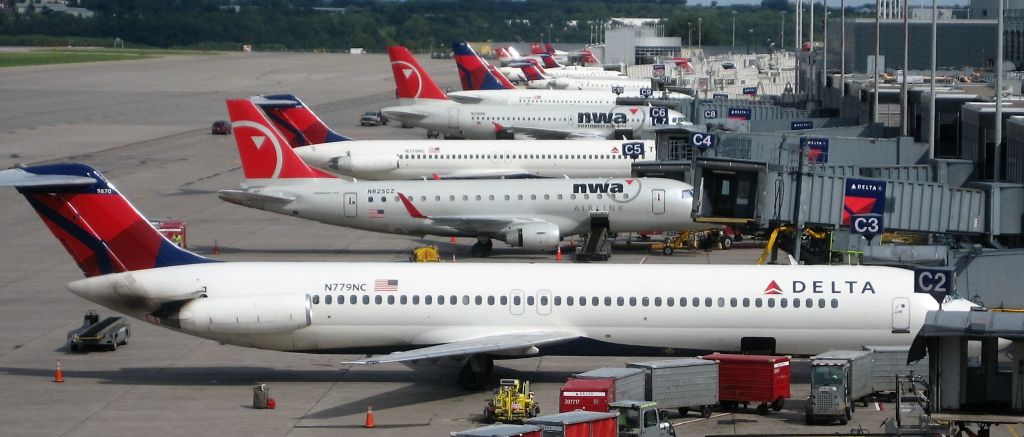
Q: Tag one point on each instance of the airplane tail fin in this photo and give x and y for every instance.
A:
(411, 80)
(588, 58)
(97, 226)
(503, 55)
(295, 121)
(536, 48)
(531, 71)
(264, 152)
(549, 49)
(514, 53)
(500, 77)
(549, 61)
(472, 71)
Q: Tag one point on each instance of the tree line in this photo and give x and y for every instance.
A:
(374, 25)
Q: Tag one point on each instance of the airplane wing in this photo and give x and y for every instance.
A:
(248, 198)
(553, 134)
(477, 224)
(400, 113)
(507, 344)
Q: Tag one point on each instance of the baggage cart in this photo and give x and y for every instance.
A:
(752, 378)
(683, 384)
(628, 383)
(890, 364)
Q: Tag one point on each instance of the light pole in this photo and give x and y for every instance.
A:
(842, 49)
(931, 98)
(750, 34)
(997, 150)
(689, 33)
(734, 29)
(782, 31)
(877, 34)
(700, 21)
(904, 129)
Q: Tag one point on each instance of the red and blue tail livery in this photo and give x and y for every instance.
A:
(264, 152)
(296, 122)
(473, 73)
(101, 230)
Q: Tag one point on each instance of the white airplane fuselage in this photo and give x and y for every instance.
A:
(572, 72)
(535, 212)
(483, 122)
(615, 309)
(590, 83)
(418, 159)
(546, 96)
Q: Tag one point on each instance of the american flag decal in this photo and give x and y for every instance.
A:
(385, 285)
(375, 213)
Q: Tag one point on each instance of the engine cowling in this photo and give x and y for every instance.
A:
(355, 165)
(270, 314)
(561, 83)
(536, 236)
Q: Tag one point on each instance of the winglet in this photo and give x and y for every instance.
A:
(413, 212)
(411, 80)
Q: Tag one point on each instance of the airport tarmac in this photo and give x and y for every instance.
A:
(145, 124)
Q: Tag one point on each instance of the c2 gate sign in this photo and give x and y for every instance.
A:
(936, 281)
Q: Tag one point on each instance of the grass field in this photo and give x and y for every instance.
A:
(67, 56)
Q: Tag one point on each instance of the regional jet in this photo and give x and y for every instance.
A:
(423, 104)
(471, 313)
(530, 213)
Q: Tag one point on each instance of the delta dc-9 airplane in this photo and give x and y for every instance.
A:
(321, 147)
(530, 213)
(423, 104)
(467, 312)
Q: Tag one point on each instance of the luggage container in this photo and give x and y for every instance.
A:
(838, 379)
(586, 394)
(628, 383)
(501, 430)
(578, 424)
(681, 384)
(890, 364)
(752, 378)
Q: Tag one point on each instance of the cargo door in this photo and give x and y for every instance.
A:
(453, 118)
(544, 302)
(351, 204)
(658, 201)
(901, 315)
(516, 305)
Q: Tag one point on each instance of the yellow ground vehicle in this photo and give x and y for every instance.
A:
(693, 240)
(425, 254)
(513, 402)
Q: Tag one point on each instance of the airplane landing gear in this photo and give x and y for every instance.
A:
(481, 248)
(474, 373)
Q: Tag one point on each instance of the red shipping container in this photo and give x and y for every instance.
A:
(578, 424)
(752, 378)
(586, 394)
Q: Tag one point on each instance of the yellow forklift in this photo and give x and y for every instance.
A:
(425, 254)
(513, 402)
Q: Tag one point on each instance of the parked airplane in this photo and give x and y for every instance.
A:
(536, 78)
(480, 86)
(531, 213)
(549, 63)
(470, 312)
(425, 105)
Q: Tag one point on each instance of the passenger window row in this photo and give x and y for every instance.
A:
(582, 301)
(507, 197)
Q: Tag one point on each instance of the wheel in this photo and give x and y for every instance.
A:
(470, 380)
(726, 243)
(777, 404)
(848, 416)
(536, 411)
(845, 418)
(705, 411)
(127, 333)
(683, 410)
(762, 409)
(667, 251)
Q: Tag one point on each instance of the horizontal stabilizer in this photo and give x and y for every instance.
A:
(505, 344)
(17, 177)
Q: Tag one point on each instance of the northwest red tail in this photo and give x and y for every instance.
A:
(264, 152)
(411, 80)
(536, 48)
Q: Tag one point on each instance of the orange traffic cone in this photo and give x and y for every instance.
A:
(369, 417)
(216, 248)
(558, 253)
(58, 376)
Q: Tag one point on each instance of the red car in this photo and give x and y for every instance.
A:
(221, 127)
